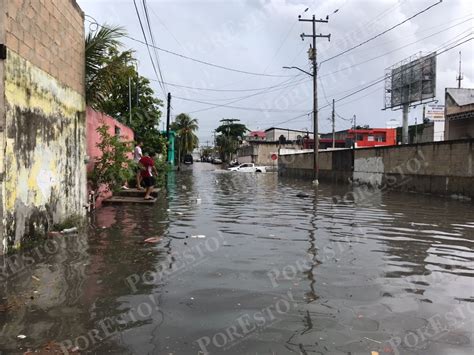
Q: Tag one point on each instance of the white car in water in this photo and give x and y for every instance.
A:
(249, 168)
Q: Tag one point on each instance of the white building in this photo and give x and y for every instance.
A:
(273, 134)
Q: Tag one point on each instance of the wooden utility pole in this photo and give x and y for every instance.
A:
(333, 124)
(313, 58)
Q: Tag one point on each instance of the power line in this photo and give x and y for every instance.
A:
(223, 90)
(245, 97)
(389, 75)
(394, 50)
(146, 42)
(381, 33)
(198, 60)
(236, 107)
(147, 18)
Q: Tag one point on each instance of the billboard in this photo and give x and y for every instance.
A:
(410, 81)
(435, 112)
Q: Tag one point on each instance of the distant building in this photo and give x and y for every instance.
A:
(273, 134)
(373, 137)
(256, 136)
(459, 113)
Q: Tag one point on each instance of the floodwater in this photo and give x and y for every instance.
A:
(243, 266)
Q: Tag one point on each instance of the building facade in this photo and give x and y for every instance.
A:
(273, 134)
(459, 113)
(42, 117)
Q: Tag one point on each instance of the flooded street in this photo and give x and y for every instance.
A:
(244, 266)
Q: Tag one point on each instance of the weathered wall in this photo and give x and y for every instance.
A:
(2, 122)
(44, 117)
(260, 153)
(441, 168)
(94, 120)
(334, 166)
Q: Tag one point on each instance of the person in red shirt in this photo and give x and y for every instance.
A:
(147, 166)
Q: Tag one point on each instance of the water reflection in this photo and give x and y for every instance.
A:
(363, 271)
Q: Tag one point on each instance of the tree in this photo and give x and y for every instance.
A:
(110, 76)
(112, 168)
(185, 128)
(231, 133)
(100, 70)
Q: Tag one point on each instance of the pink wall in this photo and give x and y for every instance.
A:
(94, 120)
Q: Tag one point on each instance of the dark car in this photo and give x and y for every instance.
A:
(188, 159)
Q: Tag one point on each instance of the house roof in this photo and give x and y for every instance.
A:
(260, 134)
(462, 97)
(287, 129)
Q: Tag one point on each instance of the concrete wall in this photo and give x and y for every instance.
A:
(441, 168)
(334, 165)
(95, 120)
(261, 152)
(44, 118)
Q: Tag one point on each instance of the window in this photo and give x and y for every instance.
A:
(370, 138)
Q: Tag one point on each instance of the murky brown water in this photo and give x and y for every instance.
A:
(246, 267)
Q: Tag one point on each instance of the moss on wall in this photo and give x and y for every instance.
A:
(44, 151)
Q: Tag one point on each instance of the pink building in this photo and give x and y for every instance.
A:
(95, 120)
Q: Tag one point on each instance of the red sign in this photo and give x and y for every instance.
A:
(274, 156)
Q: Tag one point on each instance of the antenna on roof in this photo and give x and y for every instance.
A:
(460, 76)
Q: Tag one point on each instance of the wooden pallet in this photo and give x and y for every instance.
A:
(119, 200)
(135, 193)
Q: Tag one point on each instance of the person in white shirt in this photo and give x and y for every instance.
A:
(137, 155)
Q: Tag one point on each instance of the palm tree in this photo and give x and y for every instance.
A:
(100, 69)
(185, 128)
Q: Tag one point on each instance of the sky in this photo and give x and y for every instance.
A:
(256, 38)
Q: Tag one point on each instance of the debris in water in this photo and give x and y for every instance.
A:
(21, 336)
(302, 194)
(153, 240)
(35, 278)
(69, 230)
(53, 234)
(200, 236)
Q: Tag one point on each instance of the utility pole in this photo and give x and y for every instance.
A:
(168, 113)
(129, 100)
(313, 58)
(333, 124)
(460, 76)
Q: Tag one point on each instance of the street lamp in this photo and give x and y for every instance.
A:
(315, 122)
(304, 71)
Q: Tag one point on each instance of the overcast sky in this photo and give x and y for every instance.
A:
(261, 36)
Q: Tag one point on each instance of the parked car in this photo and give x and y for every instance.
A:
(216, 161)
(249, 168)
(188, 159)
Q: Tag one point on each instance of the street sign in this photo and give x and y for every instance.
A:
(274, 156)
(435, 112)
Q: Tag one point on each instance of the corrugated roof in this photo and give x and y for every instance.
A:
(462, 96)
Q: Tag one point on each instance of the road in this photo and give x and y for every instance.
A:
(241, 265)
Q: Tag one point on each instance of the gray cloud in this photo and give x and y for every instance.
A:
(262, 36)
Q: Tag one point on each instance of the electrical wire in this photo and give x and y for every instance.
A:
(397, 49)
(236, 107)
(381, 33)
(198, 60)
(147, 18)
(146, 42)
